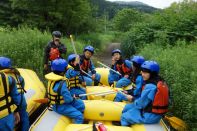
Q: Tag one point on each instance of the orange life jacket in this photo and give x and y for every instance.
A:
(123, 69)
(54, 53)
(161, 99)
(84, 64)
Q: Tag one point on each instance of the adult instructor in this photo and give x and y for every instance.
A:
(53, 50)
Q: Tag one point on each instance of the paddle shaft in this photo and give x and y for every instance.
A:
(90, 76)
(73, 44)
(46, 100)
(109, 93)
(95, 93)
(108, 68)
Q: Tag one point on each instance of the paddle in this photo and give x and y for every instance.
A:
(73, 44)
(91, 77)
(45, 100)
(111, 92)
(176, 123)
(75, 51)
(108, 68)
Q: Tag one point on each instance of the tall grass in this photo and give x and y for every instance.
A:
(97, 40)
(25, 47)
(178, 67)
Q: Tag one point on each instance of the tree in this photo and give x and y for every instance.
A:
(125, 19)
(5, 12)
(70, 16)
(178, 22)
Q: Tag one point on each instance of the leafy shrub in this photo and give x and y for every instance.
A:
(135, 38)
(178, 67)
(91, 39)
(97, 40)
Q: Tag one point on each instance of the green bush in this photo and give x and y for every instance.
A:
(97, 40)
(178, 67)
(166, 27)
(25, 47)
(91, 39)
(134, 39)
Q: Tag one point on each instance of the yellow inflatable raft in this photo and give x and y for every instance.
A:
(103, 91)
(104, 72)
(34, 87)
(97, 109)
(103, 111)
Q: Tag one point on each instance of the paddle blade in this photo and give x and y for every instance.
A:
(177, 123)
(42, 101)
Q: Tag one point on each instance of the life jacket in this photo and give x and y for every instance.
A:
(84, 64)
(123, 69)
(74, 81)
(15, 74)
(54, 54)
(53, 97)
(6, 102)
(161, 99)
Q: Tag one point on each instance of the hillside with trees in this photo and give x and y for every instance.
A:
(71, 16)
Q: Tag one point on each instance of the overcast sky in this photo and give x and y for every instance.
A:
(155, 3)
